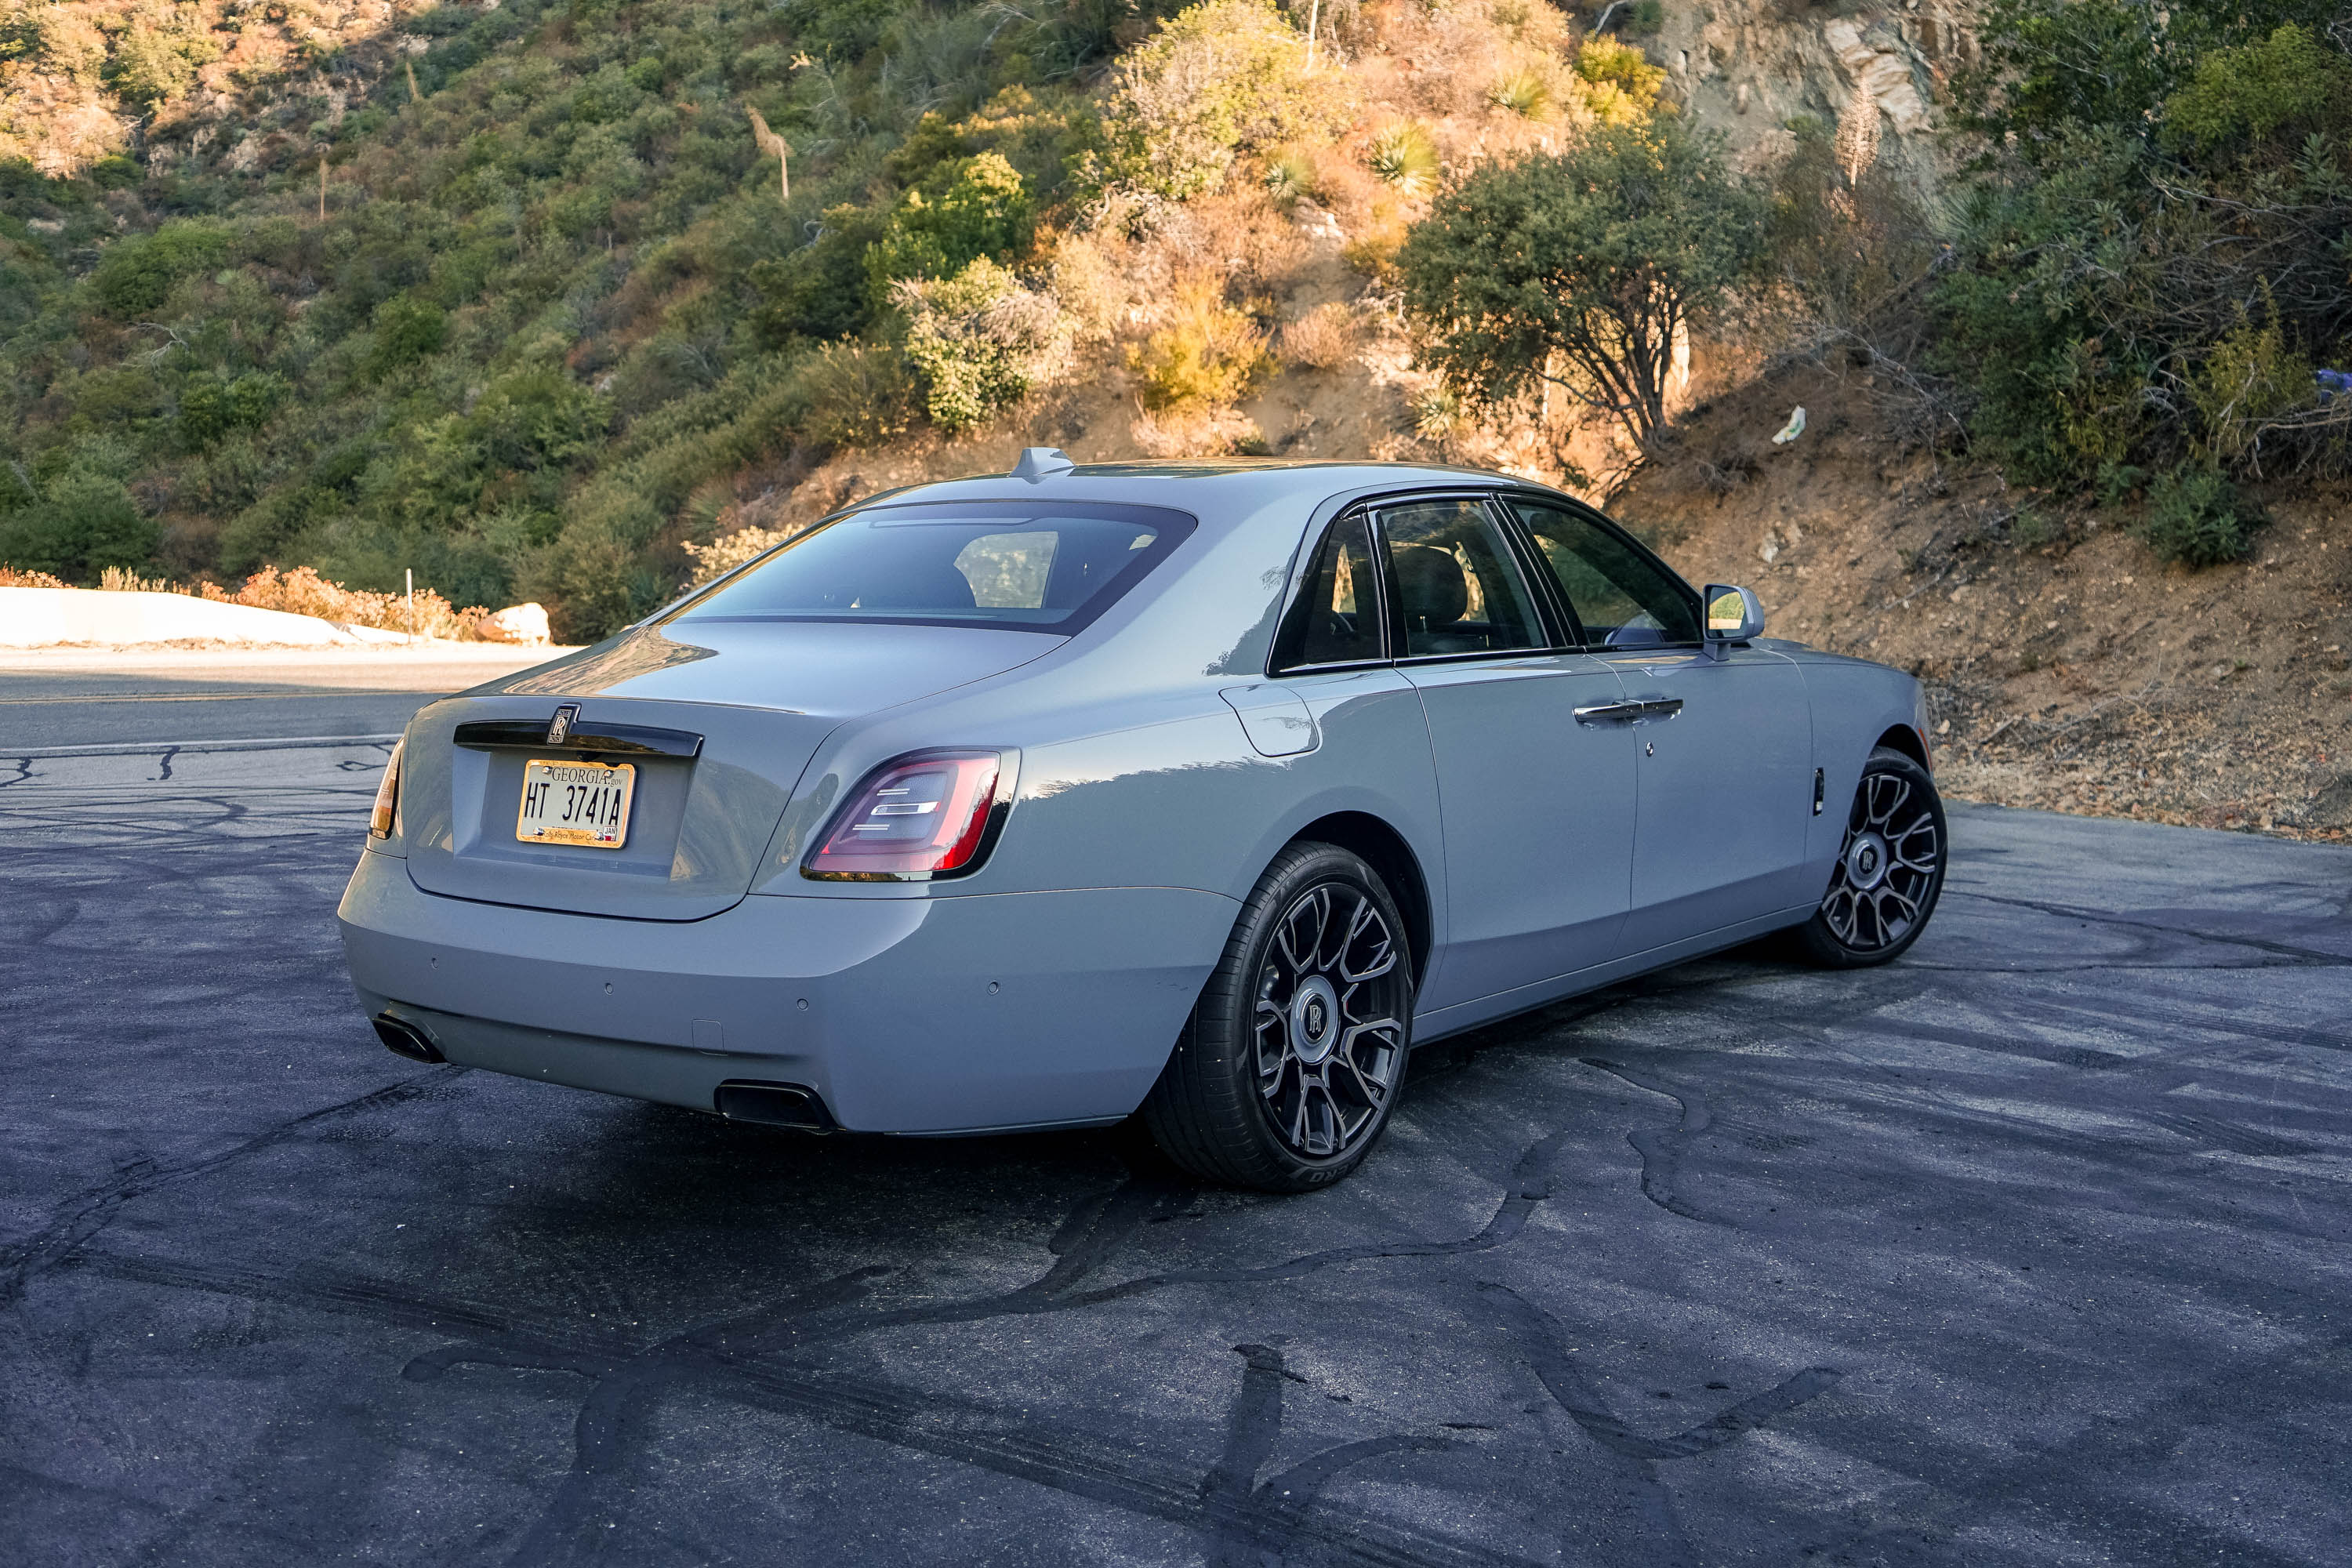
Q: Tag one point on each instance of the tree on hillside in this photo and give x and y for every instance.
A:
(1580, 269)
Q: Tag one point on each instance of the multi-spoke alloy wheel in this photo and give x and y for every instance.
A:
(1292, 1060)
(1890, 868)
(1329, 1033)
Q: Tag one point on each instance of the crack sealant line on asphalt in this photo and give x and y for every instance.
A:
(143, 747)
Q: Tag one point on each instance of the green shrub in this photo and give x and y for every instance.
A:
(135, 273)
(969, 209)
(2289, 83)
(85, 522)
(272, 528)
(212, 407)
(156, 56)
(859, 394)
(2148, 265)
(1206, 357)
(1220, 79)
(981, 340)
(2247, 378)
(1622, 85)
(534, 419)
(2195, 517)
(406, 330)
(823, 289)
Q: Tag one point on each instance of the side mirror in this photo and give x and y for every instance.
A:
(1732, 616)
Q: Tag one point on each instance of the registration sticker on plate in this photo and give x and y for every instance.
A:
(586, 803)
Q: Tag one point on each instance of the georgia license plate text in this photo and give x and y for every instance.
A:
(586, 803)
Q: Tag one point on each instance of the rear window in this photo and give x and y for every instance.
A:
(1021, 566)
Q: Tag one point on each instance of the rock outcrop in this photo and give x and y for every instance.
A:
(1747, 67)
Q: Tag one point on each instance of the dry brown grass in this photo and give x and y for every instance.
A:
(302, 592)
(1196, 433)
(1323, 339)
(1240, 232)
(12, 578)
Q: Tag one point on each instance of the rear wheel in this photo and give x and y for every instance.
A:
(1890, 868)
(1289, 1065)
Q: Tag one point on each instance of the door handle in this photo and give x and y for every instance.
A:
(1662, 707)
(1609, 712)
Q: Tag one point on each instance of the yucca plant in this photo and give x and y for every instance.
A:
(1289, 176)
(1438, 414)
(1523, 92)
(1404, 156)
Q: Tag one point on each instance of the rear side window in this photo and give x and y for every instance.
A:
(1338, 619)
(1012, 566)
(1624, 598)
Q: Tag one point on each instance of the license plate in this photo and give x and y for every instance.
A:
(586, 803)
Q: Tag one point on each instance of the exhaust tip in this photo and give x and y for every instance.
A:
(403, 1038)
(774, 1105)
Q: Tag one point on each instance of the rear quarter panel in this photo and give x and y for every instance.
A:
(1134, 772)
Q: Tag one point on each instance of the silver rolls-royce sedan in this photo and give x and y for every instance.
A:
(1201, 790)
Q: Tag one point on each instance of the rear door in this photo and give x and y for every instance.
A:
(1723, 748)
(1537, 803)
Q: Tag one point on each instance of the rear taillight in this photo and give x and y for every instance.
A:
(930, 816)
(386, 809)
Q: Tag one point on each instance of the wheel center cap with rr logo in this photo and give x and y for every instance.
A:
(1313, 1020)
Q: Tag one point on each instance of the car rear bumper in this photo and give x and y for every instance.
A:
(922, 1016)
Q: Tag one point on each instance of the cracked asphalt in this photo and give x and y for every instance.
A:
(2029, 1249)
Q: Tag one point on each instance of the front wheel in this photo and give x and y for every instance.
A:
(1890, 868)
(1289, 1065)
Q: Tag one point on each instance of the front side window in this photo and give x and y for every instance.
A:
(1003, 564)
(1338, 619)
(1456, 586)
(1624, 598)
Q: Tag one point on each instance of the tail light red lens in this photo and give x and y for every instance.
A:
(915, 819)
(382, 816)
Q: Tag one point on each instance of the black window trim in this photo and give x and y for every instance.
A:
(1519, 529)
(1392, 596)
(1563, 631)
(1302, 578)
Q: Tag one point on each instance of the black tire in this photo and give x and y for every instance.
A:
(1288, 1067)
(1890, 868)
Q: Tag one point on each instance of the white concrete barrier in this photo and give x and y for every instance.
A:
(41, 617)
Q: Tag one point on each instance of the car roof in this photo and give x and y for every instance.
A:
(1251, 483)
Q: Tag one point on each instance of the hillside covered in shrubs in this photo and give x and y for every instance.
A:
(570, 303)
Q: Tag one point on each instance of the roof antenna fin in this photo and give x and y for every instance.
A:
(1039, 464)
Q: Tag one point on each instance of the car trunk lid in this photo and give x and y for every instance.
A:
(718, 730)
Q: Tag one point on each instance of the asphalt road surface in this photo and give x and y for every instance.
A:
(2029, 1249)
(64, 698)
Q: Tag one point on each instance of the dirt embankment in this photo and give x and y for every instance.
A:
(2069, 669)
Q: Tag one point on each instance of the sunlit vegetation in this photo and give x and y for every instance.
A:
(515, 297)
(552, 299)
